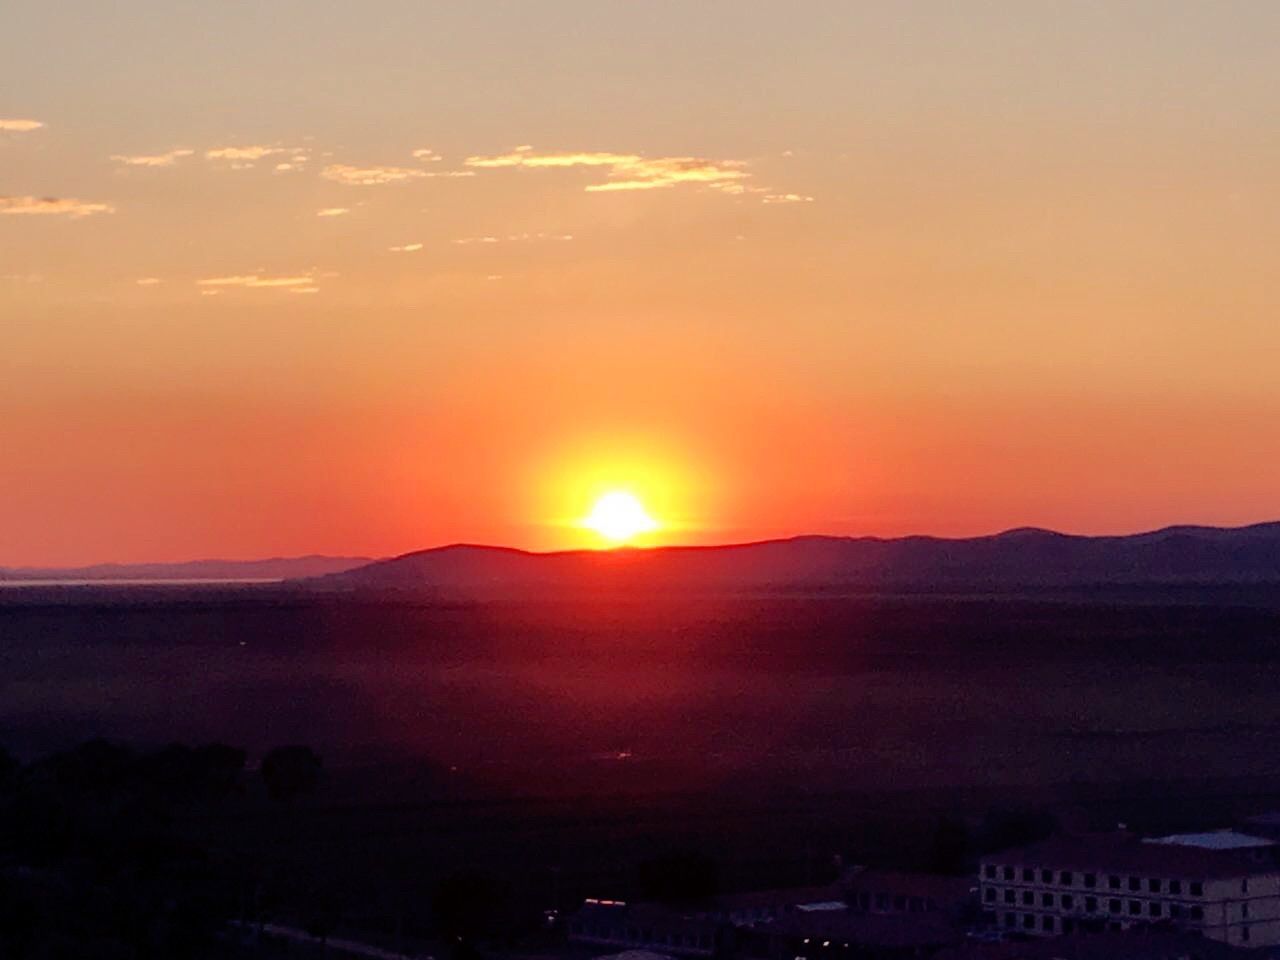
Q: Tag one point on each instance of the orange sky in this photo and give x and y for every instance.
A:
(310, 278)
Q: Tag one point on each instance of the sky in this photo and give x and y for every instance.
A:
(303, 276)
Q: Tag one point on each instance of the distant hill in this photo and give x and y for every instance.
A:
(275, 568)
(1024, 557)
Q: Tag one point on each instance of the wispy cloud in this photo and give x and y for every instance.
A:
(53, 206)
(376, 176)
(333, 212)
(152, 160)
(257, 281)
(786, 198)
(427, 154)
(304, 289)
(624, 171)
(369, 176)
(148, 281)
(514, 238)
(245, 157)
(406, 248)
(20, 126)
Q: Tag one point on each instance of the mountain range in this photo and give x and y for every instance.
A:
(1022, 557)
(275, 568)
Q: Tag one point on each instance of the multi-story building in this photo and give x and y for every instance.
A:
(1224, 885)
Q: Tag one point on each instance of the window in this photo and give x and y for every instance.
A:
(1008, 873)
(1153, 885)
(1010, 919)
(1029, 921)
(1090, 879)
(1028, 898)
(1197, 913)
(1197, 888)
(1047, 925)
(1113, 882)
(900, 902)
(1028, 875)
(1175, 911)
(1009, 897)
(1067, 902)
(1244, 910)
(1244, 933)
(1113, 906)
(1175, 886)
(1244, 885)
(989, 871)
(1135, 883)
(988, 894)
(1135, 907)
(1154, 909)
(1091, 904)
(1046, 876)
(1065, 878)
(1046, 900)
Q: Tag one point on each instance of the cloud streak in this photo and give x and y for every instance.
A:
(623, 171)
(352, 176)
(19, 126)
(152, 160)
(52, 207)
(369, 176)
(255, 281)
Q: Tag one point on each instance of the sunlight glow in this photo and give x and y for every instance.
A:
(619, 516)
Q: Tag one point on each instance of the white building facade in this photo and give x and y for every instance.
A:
(1225, 887)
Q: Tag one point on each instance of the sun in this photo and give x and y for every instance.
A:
(619, 516)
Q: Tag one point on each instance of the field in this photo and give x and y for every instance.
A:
(557, 744)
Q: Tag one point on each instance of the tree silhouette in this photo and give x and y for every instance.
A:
(289, 772)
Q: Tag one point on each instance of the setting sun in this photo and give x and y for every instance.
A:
(619, 516)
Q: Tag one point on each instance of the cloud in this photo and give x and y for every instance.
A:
(152, 160)
(624, 171)
(20, 126)
(304, 289)
(333, 212)
(53, 206)
(255, 281)
(407, 248)
(786, 198)
(369, 176)
(430, 156)
(243, 158)
(376, 176)
(515, 238)
(148, 281)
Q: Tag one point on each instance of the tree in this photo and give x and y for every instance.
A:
(949, 852)
(679, 878)
(289, 772)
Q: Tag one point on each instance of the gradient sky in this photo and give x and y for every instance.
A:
(300, 276)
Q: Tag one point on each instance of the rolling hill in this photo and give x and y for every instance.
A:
(1022, 557)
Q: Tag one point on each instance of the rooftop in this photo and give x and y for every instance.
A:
(1124, 853)
(1215, 840)
(1129, 945)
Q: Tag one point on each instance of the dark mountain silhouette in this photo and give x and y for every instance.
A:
(275, 568)
(1023, 557)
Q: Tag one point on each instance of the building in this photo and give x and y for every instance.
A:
(1137, 944)
(1223, 885)
(892, 891)
(847, 935)
(742, 909)
(644, 926)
